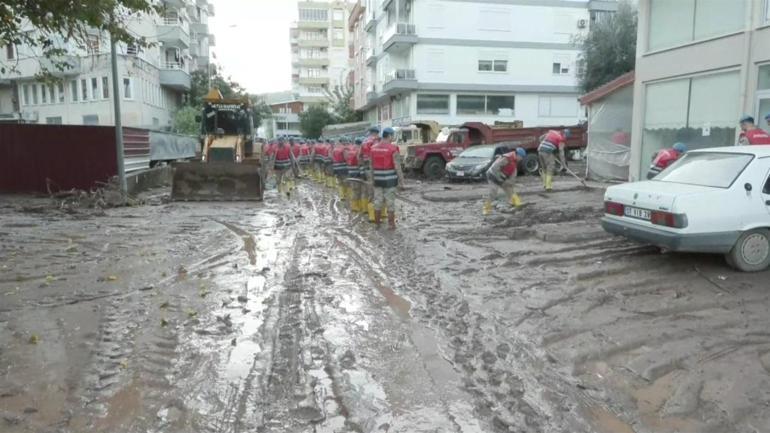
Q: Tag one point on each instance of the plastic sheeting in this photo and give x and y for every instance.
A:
(609, 139)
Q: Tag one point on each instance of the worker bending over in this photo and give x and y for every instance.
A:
(502, 174)
(751, 134)
(387, 175)
(664, 158)
(551, 143)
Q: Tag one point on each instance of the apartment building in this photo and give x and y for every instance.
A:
(284, 121)
(153, 81)
(701, 65)
(319, 48)
(454, 61)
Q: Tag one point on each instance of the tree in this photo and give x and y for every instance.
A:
(61, 24)
(609, 48)
(201, 82)
(184, 121)
(313, 121)
(259, 110)
(340, 99)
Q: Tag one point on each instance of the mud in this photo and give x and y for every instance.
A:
(293, 315)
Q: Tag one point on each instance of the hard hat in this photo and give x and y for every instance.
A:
(747, 118)
(280, 139)
(374, 129)
(388, 132)
(680, 147)
(521, 152)
(567, 133)
(358, 140)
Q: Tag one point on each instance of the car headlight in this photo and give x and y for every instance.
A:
(479, 168)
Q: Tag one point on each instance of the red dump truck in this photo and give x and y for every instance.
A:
(429, 159)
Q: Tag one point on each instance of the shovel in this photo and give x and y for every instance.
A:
(572, 173)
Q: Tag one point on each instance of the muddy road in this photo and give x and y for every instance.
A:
(293, 315)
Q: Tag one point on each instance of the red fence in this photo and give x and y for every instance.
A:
(69, 156)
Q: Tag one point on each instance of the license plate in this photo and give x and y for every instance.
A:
(635, 212)
(461, 173)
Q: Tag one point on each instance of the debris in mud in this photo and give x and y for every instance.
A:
(34, 339)
(75, 201)
(347, 360)
(163, 322)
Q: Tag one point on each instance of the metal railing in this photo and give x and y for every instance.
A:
(400, 29)
(401, 74)
(178, 66)
(175, 21)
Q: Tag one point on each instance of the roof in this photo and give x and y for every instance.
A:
(606, 89)
(758, 151)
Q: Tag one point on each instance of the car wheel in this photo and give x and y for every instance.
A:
(433, 168)
(751, 253)
(532, 164)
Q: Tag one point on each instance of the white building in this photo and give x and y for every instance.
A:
(153, 81)
(453, 61)
(285, 108)
(319, 48)
(700, 65)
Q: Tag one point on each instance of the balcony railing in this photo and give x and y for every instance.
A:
(400, 80)
(399, 36)
(175, 21)
(400, 29)
(175, 66)
(400, 74)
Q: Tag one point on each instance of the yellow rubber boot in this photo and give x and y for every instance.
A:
(548, 182)
(385, 212)
(487, 209)
(341, 191)
(363, 205)
(354, 206)
(516, 201)
(370, 210)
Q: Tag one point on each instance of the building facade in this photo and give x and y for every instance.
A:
(454, 61)
(153, 81)
(285, 108)
(319, 48)
(701, 65)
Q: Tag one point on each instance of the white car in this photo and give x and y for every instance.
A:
(713, 200)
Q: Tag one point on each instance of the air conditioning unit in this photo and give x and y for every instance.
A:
(582, 24)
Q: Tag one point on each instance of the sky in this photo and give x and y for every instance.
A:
(252, 42)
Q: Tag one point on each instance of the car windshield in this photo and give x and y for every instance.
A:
(718, 170)
(478, 152)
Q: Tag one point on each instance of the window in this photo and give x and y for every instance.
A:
(716, 170)
(132, 50)
(91, 119)
(485, 65)
(338, 15)
(43, 94)
(497, 105)
(95, 88)
(25, 94)
(10, 52)
(501, 65)
(83, 90)
(60, 92)
(471, 104)
(557, 106)
(105, 87)
(92, 44)
(127, 89)
(74, 90)
(433, 104)
(338, 34)
(34, 94)
(699, 112)
(313, 15)
(560, 69)
(53, 120)
(767, 10)
(764, 76)
(674, 23)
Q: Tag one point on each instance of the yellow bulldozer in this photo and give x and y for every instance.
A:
(229, 168)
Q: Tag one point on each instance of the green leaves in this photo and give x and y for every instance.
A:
(313, 120)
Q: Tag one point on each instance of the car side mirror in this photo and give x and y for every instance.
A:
(748, 187)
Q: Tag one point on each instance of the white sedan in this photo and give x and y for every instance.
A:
(713, 200)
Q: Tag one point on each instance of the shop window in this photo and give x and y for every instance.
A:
(433, 104)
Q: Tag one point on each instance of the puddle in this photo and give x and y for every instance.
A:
(241, 360)
(606, 422)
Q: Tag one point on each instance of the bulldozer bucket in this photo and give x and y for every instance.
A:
(216, 181)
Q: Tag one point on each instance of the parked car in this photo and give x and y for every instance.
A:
(710, 201)
(473, 163)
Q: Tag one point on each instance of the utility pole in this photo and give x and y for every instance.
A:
(118, 119)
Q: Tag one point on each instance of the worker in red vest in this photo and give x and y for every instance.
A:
(751, 134)
(364, 157)
(665, 158)
(354, 173)
(304, 154)
(321, 151)
(502, 174)
(551, 143)
(387, 177)
(340, 167)
(282, 161)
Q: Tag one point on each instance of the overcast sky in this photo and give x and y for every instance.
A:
(253, 42)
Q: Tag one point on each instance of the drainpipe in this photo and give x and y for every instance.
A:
(748, 38)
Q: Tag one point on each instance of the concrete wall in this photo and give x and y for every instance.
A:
(743, 50)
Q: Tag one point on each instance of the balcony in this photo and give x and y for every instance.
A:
(371, 57)
(212, 12)
(371, 22)
(400, 80)
(200, 28)
(313, 81)
(313, 25)
(174, 33)
(399, 37)
(313, 43)
(371, 94)
(70, 65)
(175, 76)
(311, 62)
